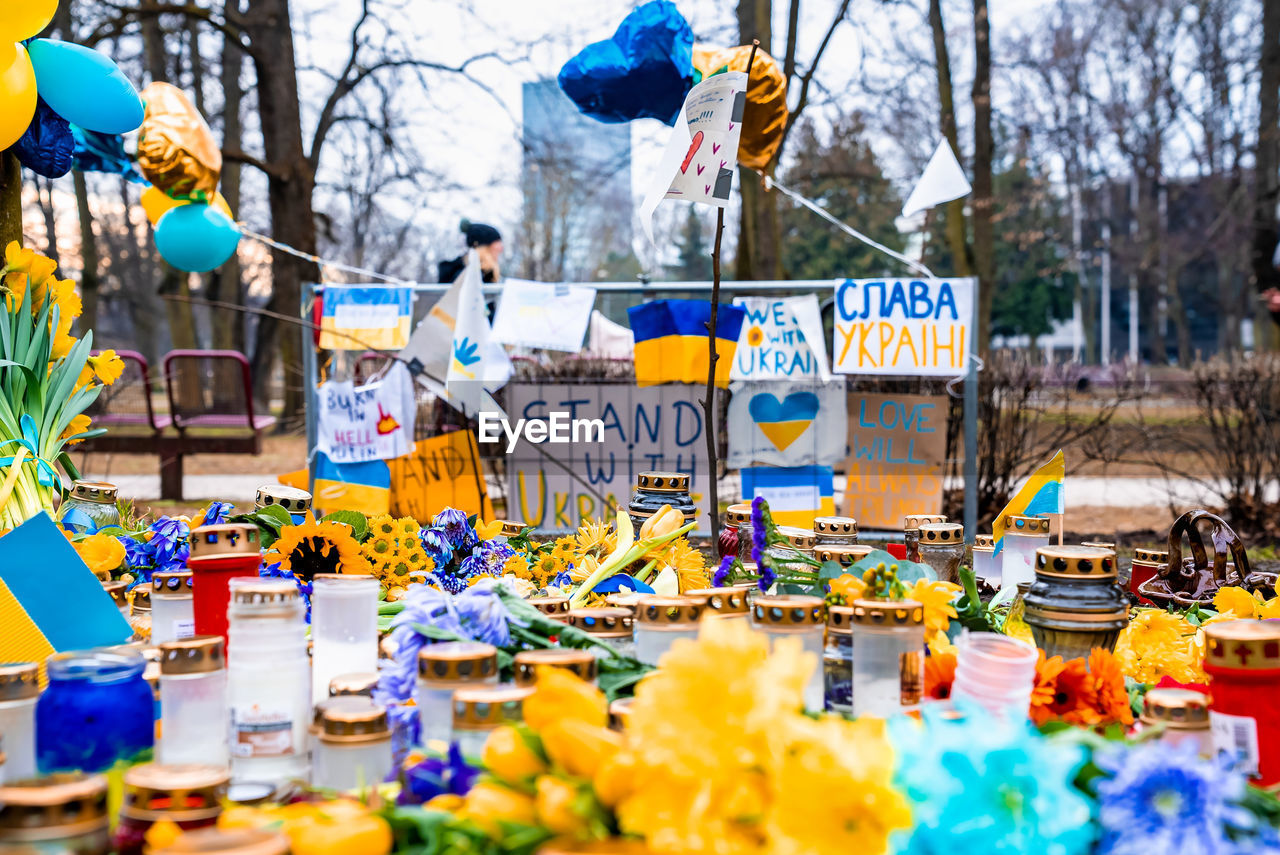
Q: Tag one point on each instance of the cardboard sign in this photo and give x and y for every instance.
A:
(442, 472)
(796, 495)
(365, 317)
(370, 422)
(657, 428)
(793, 423)
(897, 450)
(903, 327)
(781, 339)
(538, 314)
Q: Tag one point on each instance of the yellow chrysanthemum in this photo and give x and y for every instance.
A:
(409, 527)
(595, 538)
(1157, 644)
(848, 586)
(384, 525)
(937, 598)
(79, 424)
(1237, 601)
(317, 547)
(565, 549)
(517, 565)
(690, 564)
(392, 552)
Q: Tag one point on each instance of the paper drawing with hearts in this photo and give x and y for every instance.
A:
(787, 423)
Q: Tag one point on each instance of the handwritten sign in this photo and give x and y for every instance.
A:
(914, 327)
(897, 448)
(369, 422)
(656, 428)
(781, 339)
(443, 471)
(787, 423)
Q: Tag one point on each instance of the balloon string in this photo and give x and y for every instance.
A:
(849, 230)
(336, 265)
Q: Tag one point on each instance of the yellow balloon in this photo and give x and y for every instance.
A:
(24, 19)
(156, 203)
(17, 93)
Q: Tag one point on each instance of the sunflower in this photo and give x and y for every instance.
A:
(317, 547)
(690, 564)
(594, 538)
(755, 336)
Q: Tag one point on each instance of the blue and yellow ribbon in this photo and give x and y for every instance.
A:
(29, 442)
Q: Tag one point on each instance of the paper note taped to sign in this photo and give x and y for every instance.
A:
(897, 448)
(904, 327)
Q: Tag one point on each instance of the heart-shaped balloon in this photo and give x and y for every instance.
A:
(643, 72)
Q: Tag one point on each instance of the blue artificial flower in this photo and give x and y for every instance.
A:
(562, 579)
(437, 776)
(448, 582)
(488, 559)
(462, 537)
(435, 542)
(978, 788)
(1164, 798)
(168, 545)
(483, 614)
(137, 556)
(721, 577)
(215, 514)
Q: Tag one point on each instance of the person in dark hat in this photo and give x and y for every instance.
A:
(487, 242)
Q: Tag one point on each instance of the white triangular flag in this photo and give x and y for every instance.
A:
(942, 181)
(470, 352)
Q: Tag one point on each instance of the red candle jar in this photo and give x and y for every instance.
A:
(1146, 563)
(219, 553)
(1242, 659)
(734, 516)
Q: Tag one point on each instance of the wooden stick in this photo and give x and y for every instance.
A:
(709, 401)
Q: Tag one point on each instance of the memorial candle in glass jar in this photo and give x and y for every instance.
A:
(190, 796)
(612, 627)
(835, 531)
(581, 663)
(193, 702)
(1242, 659)
(220, 553)
(888, 656)
(19, 690)
(662, 620)
(479, 712)
(97, 709)
(353, 750)
(172, 614)
(63, 814)
(803, 618)
(344, 628)
(1023, 536)
(942, 548)
(985, 564)
(443, 669)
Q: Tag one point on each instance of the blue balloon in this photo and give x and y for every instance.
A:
(47, 145)
(196, 237)
(85, 87)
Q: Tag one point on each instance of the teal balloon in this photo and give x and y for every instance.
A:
(85, 87)
(196, 237)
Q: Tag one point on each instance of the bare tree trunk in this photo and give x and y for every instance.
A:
(957, 233)
(10, 198)
(224, 285)
(44, 191)
(1267, 159)
(760, 230)
(88, 254)
(984, 251)
(289, 188)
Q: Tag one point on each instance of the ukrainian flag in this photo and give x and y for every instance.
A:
(671, 341)
(363, 487)
(365, 317)
(1042, 494)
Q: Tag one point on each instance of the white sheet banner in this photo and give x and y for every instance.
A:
(369, 422)
(781, 339)
(540, 314)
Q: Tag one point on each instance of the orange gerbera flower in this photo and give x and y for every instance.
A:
(939, 674)
(1108, 681)
(1046, 688)
(1076, 698)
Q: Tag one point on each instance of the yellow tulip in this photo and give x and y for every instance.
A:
(615, 779)
(101, 552)
(490, 804)
(559, 695)
(554, 801)
(341, 833)
(445, 802)
(579, 748)
(666, 520)
(508, 756)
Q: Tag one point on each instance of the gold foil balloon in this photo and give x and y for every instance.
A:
(176, 150)
(24, 19)
(17, 93)
(766, 114)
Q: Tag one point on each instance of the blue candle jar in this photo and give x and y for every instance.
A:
(97, 709)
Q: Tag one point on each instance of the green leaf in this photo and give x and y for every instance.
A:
(359, 522)
(830, 570)
(275, 512)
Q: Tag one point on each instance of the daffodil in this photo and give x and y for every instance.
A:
(1237, 601)
(79, 424)
(937, 597)
(102, 553)
(106, 366)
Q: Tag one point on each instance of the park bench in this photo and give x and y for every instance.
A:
(126, 410)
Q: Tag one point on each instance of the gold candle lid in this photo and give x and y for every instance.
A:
(940, 533)
(511, 528)
(580, 662)
(182, 793)
(1252, 645)
(457, 662)
(209, 541)
(353, 685)
(838, 526)
(250, 591)
(625, 600)
(118, 591)
(140, 599)
(984, 541)
(1150, 556)
(914, 521)
(887, 614)
(798, 538)
(233, 841)
(722, 601)
(669, 612)
(738, 514)
(1178, 709)
(485, 709)
(556, 608)
(1100, 544)
(1074, 562)
(846, 555)
(1018, 524)
(618, 712)
(19, 681)
(52, 807)
(663, 482)
(352, 719)
(171, 583)
(604, 621)
(840, 620)
(100, 492)
(788, 612)
(199, 654)
(292, 499)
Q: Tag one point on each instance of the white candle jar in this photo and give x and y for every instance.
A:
(344, 628)
(1022, 537)
(613, 627)
(444, 669)
(985, 565)
(1184, 713)
(942, 548)
(268, 680)
(581, 663)
(555, 608)
(799, 617)
(172, 616)
(661, 621)
(479, 712)
(353, 750)
(19, 691)
(888, 656)
(835, 531)
(193, 702)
